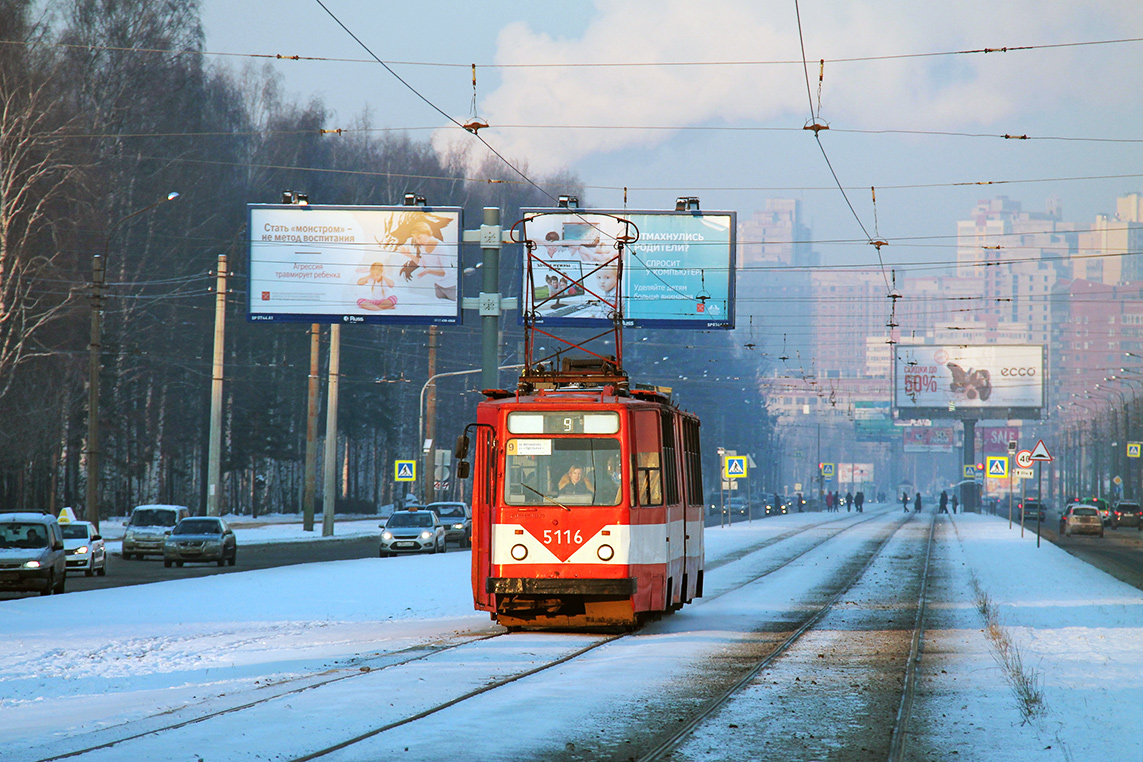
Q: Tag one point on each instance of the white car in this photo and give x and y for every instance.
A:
(84, 548)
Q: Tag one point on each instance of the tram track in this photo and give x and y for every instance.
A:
(896, 727)
(365, 672)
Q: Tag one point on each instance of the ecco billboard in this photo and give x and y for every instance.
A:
(353, 264)
(987, 381)
(678, 274)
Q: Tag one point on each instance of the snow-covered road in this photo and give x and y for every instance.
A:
(84, 668)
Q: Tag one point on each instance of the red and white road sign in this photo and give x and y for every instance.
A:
(1024, 459)
(1040, 452)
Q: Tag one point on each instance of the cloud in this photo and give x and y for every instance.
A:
(934, 93)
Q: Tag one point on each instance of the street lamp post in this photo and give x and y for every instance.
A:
(427, 454)
(98, 273)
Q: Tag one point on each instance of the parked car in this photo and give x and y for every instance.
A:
(457, 520)
(1126, 513)
(416, 531)
(200, 538)
(1080, 518)
(148, 528)
(32, 555)
(84, 548)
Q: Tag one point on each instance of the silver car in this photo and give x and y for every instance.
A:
(200, 538)
(31, 553)
(415, 531)
(457, 520)
(84, 548)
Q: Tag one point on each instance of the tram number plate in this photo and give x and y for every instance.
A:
(563, 537)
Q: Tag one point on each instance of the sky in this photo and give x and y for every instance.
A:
(91, 666)
(710, 99)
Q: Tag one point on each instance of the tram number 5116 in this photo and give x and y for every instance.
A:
(562, 537)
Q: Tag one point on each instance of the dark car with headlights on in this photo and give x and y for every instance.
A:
(1126, 513)
(457, 520)
(418, 531)
(200, 538)
(31, 553)
(84, 547)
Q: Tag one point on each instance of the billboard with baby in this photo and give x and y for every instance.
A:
(653, 269)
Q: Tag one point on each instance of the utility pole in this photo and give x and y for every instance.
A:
(309, 491)
(98, 264)
(94, 348)
(329, 494)
(214, 457)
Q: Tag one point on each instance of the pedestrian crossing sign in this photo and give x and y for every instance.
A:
(1133, 449)
(734, 466)
(406, 470)
(969, 471)
(997, 467)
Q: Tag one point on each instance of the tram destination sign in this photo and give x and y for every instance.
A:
(678, 274)
(983, 381)
(353, 264)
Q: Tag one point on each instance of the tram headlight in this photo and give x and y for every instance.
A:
(605, 552)
(519, 552)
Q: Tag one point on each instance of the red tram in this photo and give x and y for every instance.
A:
(587, 504)
(587, 500)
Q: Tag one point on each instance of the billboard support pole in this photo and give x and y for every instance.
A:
(329, 488)
(309, 490)
(971, 500)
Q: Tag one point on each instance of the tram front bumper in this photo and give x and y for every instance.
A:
(529, 586)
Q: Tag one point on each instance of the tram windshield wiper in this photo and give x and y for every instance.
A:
(545, 497)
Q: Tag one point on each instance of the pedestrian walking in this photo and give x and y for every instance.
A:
(848, 502)
(905, 501)
(917, 503)
(954, 502)
(944, 507)
(859, 501)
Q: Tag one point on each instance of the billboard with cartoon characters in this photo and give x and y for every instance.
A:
(677, 268)
(353, 264)
(987, 381)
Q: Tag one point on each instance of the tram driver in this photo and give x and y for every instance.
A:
(574, 482)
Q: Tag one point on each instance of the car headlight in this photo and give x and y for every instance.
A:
(130, 535)
(32, 564)
(82, 550)
(426, 535)
(458, 526)
(386, 535)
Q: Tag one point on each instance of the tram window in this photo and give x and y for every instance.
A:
(562, 471)
(670, 462)
(648, 458)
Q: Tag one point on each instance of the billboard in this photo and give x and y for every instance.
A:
(872, 421)
(986, 381)
(678, 274)
(929, 439)
(353, 264)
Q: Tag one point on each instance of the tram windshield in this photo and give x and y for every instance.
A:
(563, 471)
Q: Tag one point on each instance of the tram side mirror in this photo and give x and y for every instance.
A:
(461, 449)
(462, 469)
